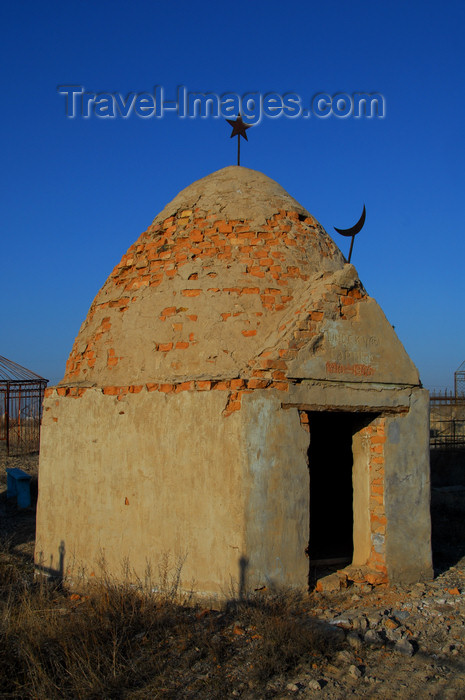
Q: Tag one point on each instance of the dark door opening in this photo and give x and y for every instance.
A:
(331, 467)
(330, 462)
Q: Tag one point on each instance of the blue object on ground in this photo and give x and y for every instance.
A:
(17, 484)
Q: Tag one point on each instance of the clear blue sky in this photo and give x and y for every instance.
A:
(76, 193)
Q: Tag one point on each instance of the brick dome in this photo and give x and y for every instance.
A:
(216, 284)
(232, 387)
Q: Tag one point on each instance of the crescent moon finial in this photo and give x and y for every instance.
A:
(352, 232)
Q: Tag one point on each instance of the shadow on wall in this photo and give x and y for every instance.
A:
(56, 572)
(243, 564)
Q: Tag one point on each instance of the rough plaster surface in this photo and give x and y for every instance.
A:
(214, 308)
(276, 484)
(346, 396)
(231, 271)
(407, 493)
(139, 478)
(367, 340)
(233, 193)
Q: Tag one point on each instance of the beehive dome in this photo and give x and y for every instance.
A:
(233, 278)
(232, 385)
(214, 281)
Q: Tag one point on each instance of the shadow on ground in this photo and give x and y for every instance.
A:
(447, 507)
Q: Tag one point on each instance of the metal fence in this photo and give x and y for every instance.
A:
(447, 433)
(20, 416)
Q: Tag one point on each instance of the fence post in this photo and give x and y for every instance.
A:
(7, 419)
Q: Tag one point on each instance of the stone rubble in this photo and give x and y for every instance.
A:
(399, 642)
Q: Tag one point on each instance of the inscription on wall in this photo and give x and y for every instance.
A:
(358, 370)
(351, 349)
(350, 352)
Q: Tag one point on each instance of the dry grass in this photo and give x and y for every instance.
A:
(115, 641)
(120, 641)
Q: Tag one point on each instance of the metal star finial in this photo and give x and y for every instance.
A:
(239, 129)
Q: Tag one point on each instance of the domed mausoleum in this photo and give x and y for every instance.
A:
(234, 398)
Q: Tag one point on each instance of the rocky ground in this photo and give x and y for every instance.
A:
(387, 642)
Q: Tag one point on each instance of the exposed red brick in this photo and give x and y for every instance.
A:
(166, 388)
(184, 386)
(257, 383)
(281, 386)
(231, 407)
(221, 386)
(237, 384)
(378, 439)
(355, 293)
(203, 385)
(256, 272)
(112, 360)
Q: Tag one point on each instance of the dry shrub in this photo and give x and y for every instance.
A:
(118, 641)
(58, 643)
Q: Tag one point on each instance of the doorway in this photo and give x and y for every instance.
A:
(334, 440)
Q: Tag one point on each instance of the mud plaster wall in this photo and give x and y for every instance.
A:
(143, 476)
(235, 489)
(277, 492)
(131, 486)
(407, 493)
